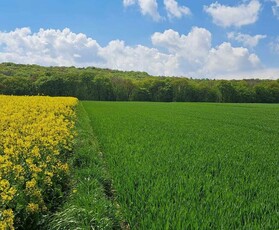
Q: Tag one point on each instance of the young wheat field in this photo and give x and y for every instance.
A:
(191, 165)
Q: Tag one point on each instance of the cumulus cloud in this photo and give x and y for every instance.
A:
(148, 7)
(120, 56)
(197, 57)
(227, 59)
(174, 10)
(172, 54)
(191, 50)
(246, 39)
(65, 48)
(275, 8)
(50, 47)
(226, 16)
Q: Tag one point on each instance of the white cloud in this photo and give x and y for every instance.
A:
(246, 39)
(148, 7)
(174, 10)
(120, 56)
(196, 56)
(274, 45)
(227, 59)
(275, 8)
(263, 73)
(48, 47)
(191, 49)
(128, 2)
(56, 47)
(238, 16)
(190, 55)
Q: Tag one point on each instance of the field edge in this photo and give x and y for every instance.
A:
(91, 204)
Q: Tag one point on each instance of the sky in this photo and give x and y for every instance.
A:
(227, 39)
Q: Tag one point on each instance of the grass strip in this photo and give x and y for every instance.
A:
(91, 203)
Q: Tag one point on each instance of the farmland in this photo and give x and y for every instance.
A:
(191, 165)
(66, 164)
(36, 139)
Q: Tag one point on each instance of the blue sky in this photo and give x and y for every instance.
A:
(200, 39)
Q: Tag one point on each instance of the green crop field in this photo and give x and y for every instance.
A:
(191, 165)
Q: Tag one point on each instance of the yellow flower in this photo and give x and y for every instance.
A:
(32, 208)
(31, 184)
(4, 184)
(34, 131)
(7, 219)
(48, 180)
(64, 167)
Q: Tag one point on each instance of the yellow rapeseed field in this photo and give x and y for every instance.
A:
(36, 136)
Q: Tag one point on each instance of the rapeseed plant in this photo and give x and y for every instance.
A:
(36, 136)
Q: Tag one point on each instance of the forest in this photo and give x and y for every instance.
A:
(98, 84)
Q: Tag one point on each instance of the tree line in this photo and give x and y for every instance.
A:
(111, 85)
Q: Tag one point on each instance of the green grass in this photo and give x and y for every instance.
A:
(191, 165)
(91, 206)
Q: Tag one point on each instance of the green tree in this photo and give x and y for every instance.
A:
(102, 89)
(141, 94)
(122, 88)
(228, 92)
